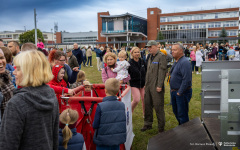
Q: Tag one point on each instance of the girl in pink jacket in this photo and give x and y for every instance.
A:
(193, 59)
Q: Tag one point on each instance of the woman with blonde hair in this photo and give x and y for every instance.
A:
(111, 60)
(193, 59)
(137, 71)
(68, 136)
(32, 112)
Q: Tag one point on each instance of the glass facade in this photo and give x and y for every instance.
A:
(200, 25)
(134, 25)
(138, 25)
(103, 25)
(185, 34)
(110, 25)
(200, 16)
(217, 33)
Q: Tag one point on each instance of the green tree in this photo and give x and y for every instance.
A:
(29, 36)
(160, 37)
(223, 34)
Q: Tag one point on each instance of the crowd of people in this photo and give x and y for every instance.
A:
(211, 52)
(33, 79)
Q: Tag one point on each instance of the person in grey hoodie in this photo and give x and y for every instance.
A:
(31, 117)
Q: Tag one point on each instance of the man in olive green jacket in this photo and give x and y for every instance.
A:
(72, 60)
(154, 87)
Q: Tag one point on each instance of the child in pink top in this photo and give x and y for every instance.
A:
(40, 43)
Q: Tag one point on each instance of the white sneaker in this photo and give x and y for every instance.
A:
(197, 73)
(86, 65)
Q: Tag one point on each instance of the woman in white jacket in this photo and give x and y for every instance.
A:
(198, 59)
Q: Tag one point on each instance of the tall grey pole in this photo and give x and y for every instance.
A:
(35, 21)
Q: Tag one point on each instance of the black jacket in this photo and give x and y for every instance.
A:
(79, 55)
(137, 72)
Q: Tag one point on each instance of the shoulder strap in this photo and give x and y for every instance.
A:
(106, 71)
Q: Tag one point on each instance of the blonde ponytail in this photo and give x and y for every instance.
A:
(68, 117)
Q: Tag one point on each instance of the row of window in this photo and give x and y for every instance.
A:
(94, 40)
(217, 33)
(185, 34)
(6, 36)
(75, 38)
(200, 25)
(200, 16)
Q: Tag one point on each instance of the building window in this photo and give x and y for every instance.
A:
(189, 26)
(202, 25)
(211, 25)
(162, 27)
(232, 33)
(169, 19)
(217, 24)
(169, 27)
(196, 26)
(9, 36)
(162, 19)
(226, 24)
(185, 18)
(151, 12)
(175, 27)
(198, 17)
(202, 16)
(185, 34)
(104, 26)
(233, 23)
(110, 26)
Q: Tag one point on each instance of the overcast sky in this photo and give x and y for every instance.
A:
(81, 15)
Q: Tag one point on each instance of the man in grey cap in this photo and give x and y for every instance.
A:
(72, 60)
(154, 87)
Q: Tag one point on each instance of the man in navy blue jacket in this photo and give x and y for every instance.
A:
(180, 84)
(78, 54)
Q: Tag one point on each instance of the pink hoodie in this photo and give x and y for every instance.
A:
(193, 56)
(40, 45)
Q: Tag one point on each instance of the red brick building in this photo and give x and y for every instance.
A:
(174, 26)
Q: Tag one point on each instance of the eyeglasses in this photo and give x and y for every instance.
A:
(62, 60)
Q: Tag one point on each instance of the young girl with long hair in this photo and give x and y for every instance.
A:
(68, 136)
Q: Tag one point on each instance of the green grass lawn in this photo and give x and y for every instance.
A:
(141, 138)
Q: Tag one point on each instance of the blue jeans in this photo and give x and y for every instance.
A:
(108, 147)
(84, 60)
(180, 105)
(80, 66)
(194, 65)
(220, 56)
(89, 59)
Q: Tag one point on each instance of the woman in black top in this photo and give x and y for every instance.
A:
(137, 71)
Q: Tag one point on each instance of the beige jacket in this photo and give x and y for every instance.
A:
(89, 52)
